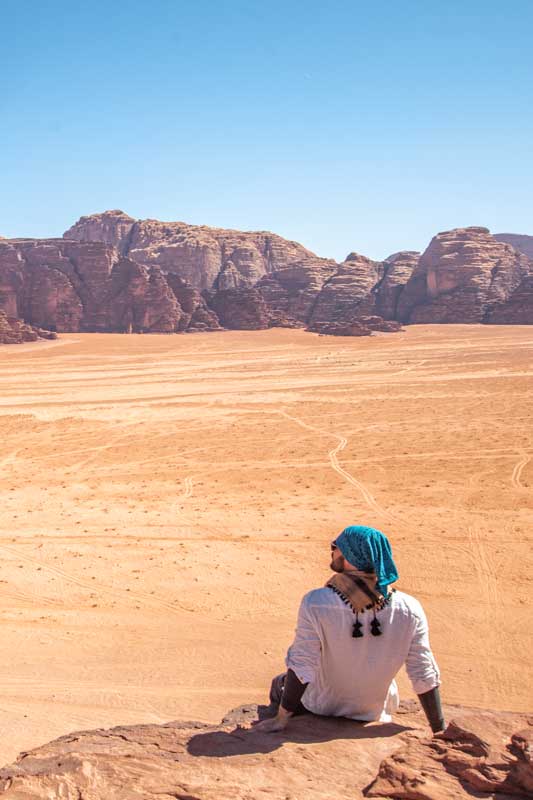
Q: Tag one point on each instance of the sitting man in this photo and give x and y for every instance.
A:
(351, 639)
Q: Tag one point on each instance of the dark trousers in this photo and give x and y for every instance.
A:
(276, 693)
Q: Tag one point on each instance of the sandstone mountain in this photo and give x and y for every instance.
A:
(465, 275)
(480, 755)
(111, 272)
(518, 241)
(196, 253)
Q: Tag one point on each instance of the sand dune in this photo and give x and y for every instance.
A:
(166, 500)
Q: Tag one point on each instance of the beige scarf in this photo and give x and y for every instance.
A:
(357, 589)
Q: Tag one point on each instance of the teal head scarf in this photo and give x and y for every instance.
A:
(369, 550)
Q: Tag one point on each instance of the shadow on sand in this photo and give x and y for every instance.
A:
(305, 729)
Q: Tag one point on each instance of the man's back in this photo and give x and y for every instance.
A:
(354, 677)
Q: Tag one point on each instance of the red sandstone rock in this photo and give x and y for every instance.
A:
(72, 286)
(461, 277)
(139, 300)
(112, 227)
(398, 268)
(315, 758)
(519, 241)
(355, 328)
(14, 331)
(122, 274)
(358, 326)
(376, 323)
(246, 309)
(196, 253)
(348, 293)
(293, 291)
(517, 310)
(319, 292)
(477, 752)
(196, 316)
(241, 309)
(277, 319)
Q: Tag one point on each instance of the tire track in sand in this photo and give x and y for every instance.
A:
(10, 458)
(485, 569)
(517, 471)
(491, 614)
(409, 368)
(368, 497)
(187, 493)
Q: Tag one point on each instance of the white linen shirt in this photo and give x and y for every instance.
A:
(354, 678)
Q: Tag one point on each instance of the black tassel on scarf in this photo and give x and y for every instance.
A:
(356, 630)
(375, 628)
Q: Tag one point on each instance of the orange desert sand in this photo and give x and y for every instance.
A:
(166, 501)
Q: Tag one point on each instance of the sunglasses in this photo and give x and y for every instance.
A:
(333, 546)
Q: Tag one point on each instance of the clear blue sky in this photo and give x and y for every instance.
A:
(344, 125)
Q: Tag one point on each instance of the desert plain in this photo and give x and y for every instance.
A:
(167, 500)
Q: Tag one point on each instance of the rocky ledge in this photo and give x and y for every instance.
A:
(359, 326)
(481, 754)
(14, 331)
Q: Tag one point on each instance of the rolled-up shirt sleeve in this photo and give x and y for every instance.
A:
(421, 666)
(303, 656)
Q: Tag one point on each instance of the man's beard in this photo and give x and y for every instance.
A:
(337, 564)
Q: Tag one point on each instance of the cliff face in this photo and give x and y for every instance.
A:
(111, 272)
(397, 269)
(518, 310)
(463, 276)
(321, 293)
(88, 286)
(195, 253)
(348, 294)
(517, 240)
(293, 291)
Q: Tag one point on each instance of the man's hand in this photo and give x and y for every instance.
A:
(277, 723)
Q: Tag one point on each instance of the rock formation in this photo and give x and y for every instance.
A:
(377, 323)
(293, 290)
(325, 295)
(88, 286)
(518, 310)
(517, 240)
(354, 328)
(478, 755)
(463, 276)
(195, 253)
(349, 292)
(398, 268)
(481, 754)
(358, 326)
(111, 272)
(243, 309)
(14, 331)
